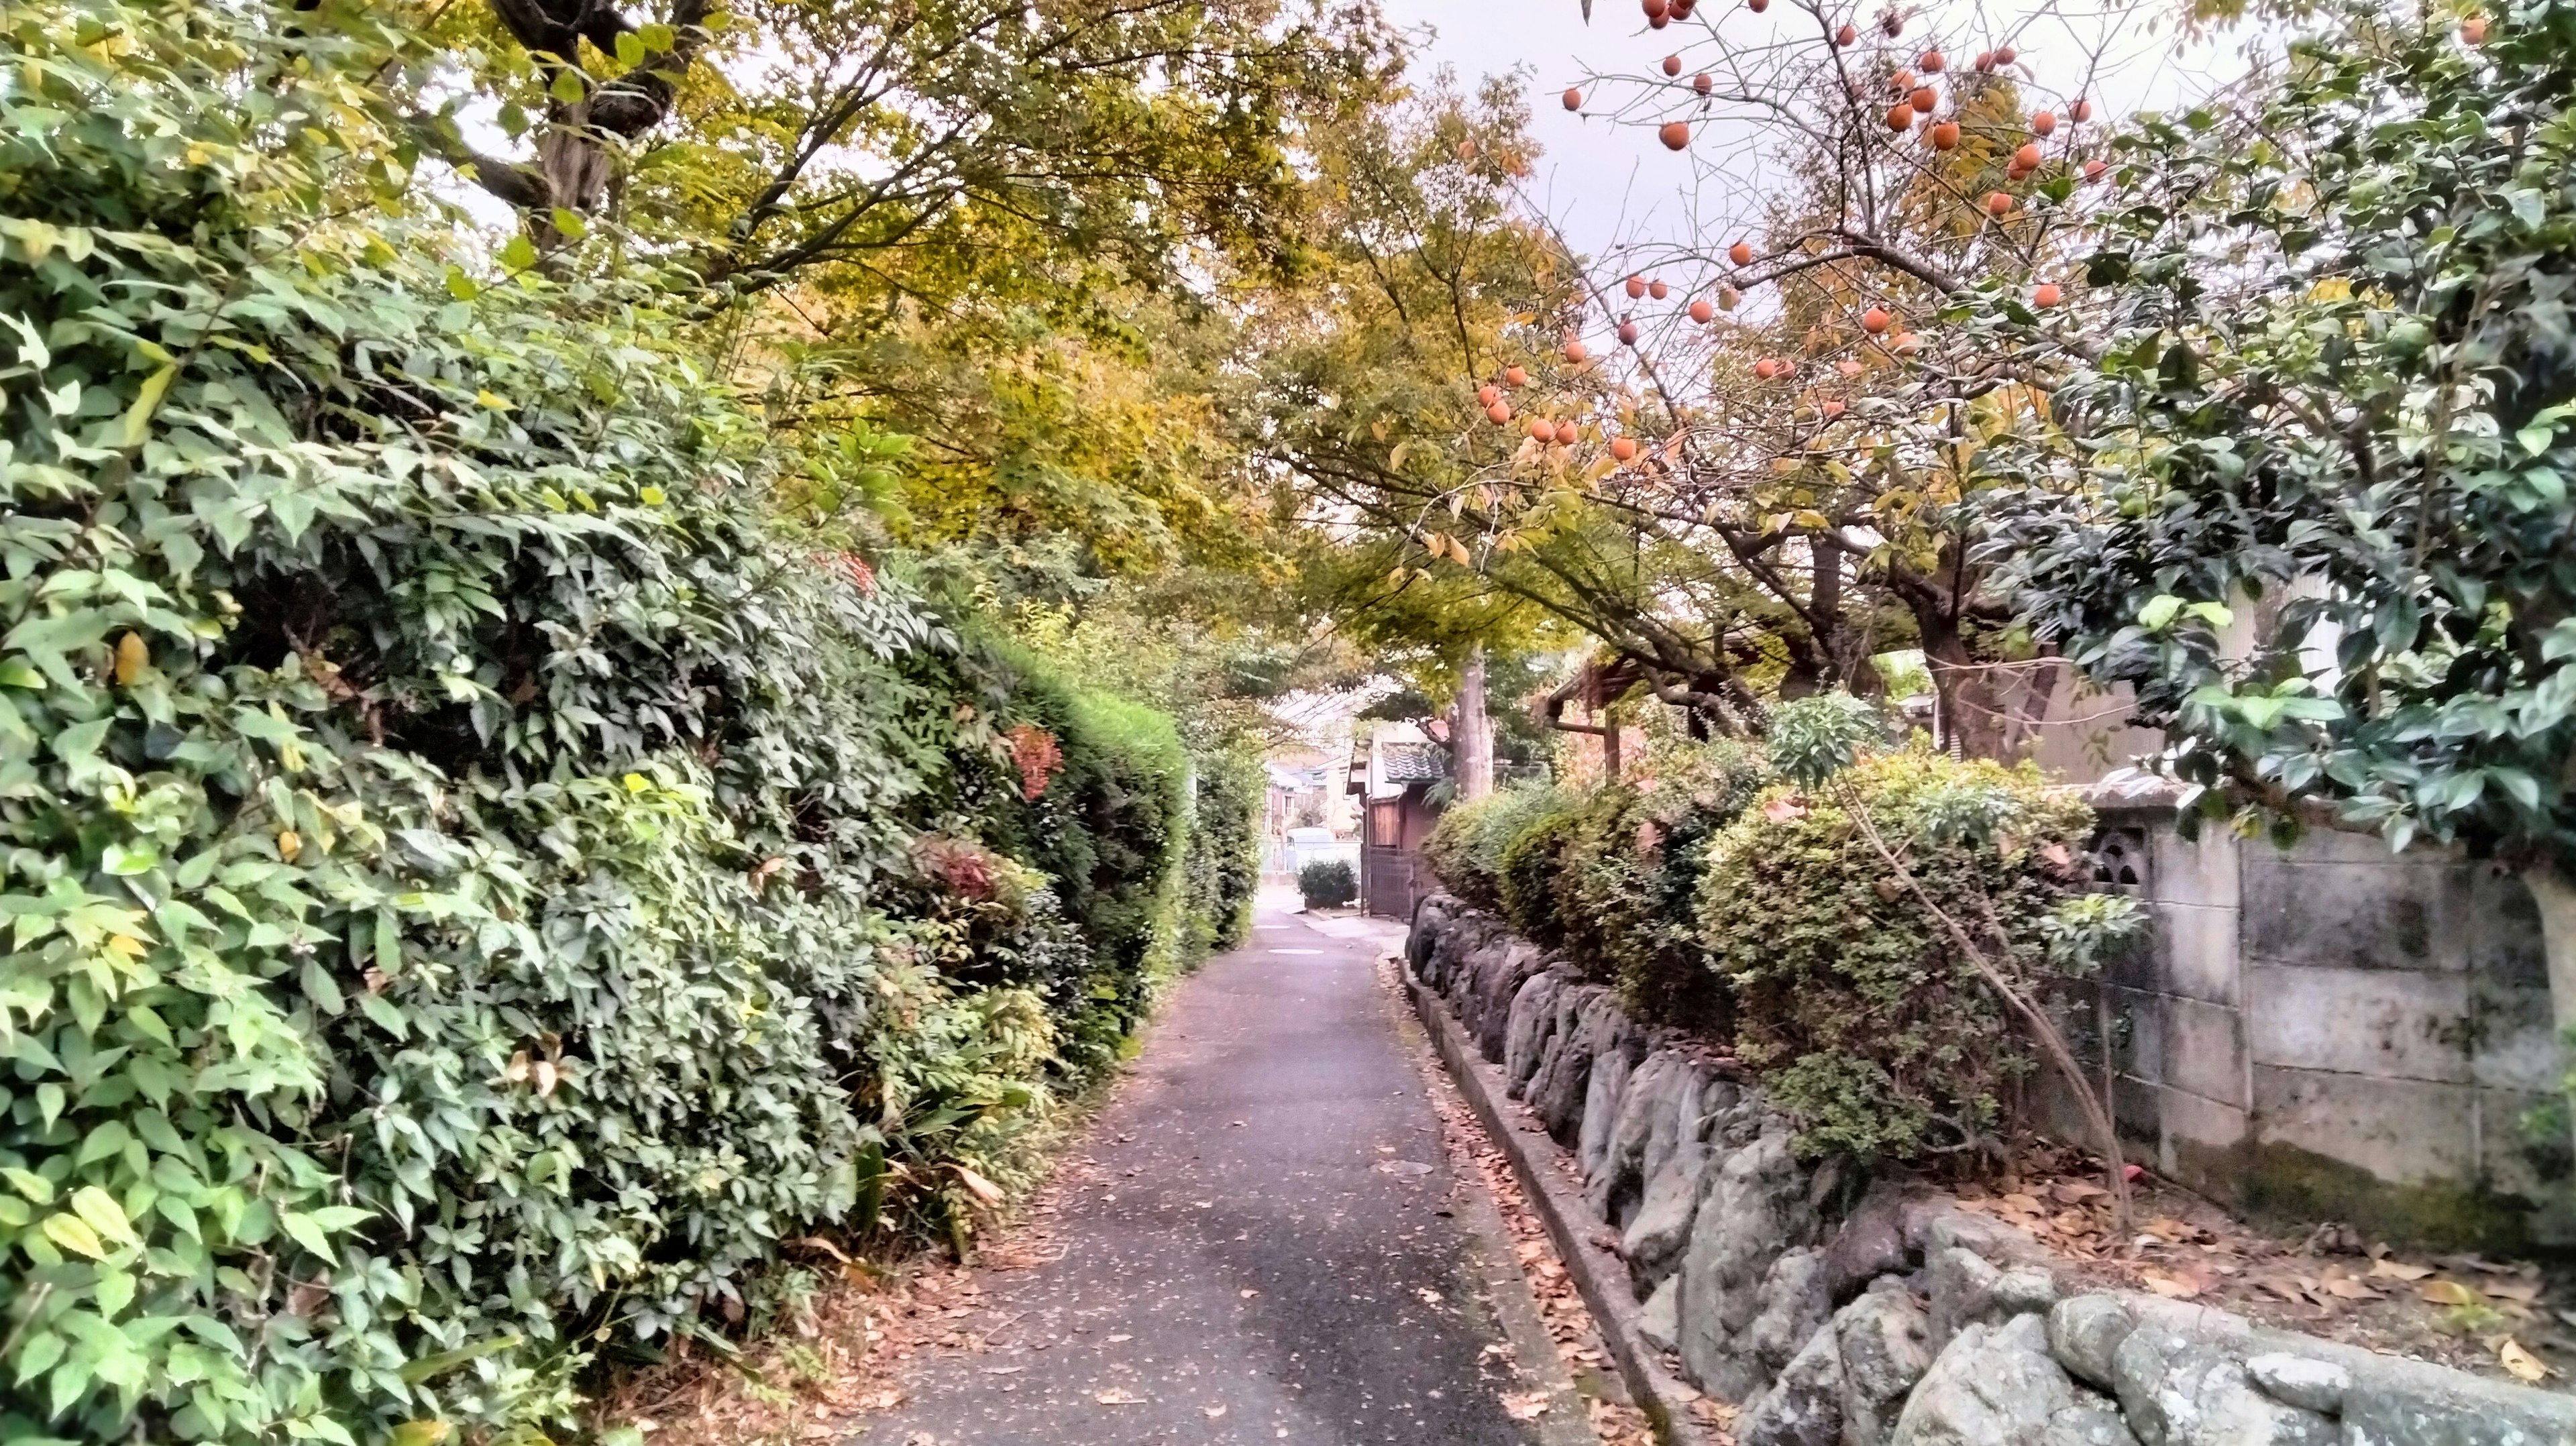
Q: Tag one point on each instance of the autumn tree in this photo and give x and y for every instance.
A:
(1764, 448)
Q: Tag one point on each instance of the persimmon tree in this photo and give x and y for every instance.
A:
(1767, 445)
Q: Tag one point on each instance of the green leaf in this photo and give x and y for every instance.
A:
(381, 1010)
(388, 943)
(567, 86)
(431, 1367)
(28, 1183)
(147, 400)
(420, 1433)
(38, 1355)
(103, 1214)
(322, 989)
(630, 49)
(71, 1234)
(304, 1230)
(2159, 613)
(460, 285)
(570, 224)
(520, 254)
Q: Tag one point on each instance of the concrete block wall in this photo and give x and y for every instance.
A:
(2332, 1031)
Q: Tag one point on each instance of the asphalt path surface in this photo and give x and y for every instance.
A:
(1258, 1244)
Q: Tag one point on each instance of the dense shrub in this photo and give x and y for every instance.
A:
(469, 896)
(1328, 884)
(1641, 886)
(1093, 791)
(1223, 870)
(1531, 864)
(1854, 1002)
(1466, 847)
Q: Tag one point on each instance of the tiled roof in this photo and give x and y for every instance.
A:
(1414, 762)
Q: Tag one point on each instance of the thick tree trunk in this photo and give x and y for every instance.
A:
(1973, 717)
(1473, 729)
(2555, 893)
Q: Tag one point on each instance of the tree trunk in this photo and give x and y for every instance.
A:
(1972, 710)
(2555, 893)
(1473, 729)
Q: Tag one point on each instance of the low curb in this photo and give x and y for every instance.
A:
(1599, 1276)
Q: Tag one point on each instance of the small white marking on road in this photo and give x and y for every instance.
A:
(1297, 951)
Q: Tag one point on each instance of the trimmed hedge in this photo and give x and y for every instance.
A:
(1223, 871)
(1466, 846)
(1328, 884)
(478, 886)
(1855, 1003)
(1725, 902)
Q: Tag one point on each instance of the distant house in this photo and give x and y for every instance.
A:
(1393, 772)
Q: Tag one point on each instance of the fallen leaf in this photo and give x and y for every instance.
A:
(1212, 1412)
(2076, 1192)
(2525, 1366)
(2447, 1292)
(2393, 1269)
(1116, 1397)
(2344, 1287)
(2520, 1292)
(1004, 1370)
(2168, 1286)
(1526, 1407)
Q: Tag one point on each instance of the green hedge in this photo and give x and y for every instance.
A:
(1466, 846)
(477, 888)
(1722, 901)
(1871, 1025)
(1223, 870)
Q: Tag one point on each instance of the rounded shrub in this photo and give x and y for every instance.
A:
(1466, 846)
(1852, 1000)
(1530, 864)
(1641, 887)
(1328, 884)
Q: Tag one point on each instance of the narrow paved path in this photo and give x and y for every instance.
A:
(1263, 1247)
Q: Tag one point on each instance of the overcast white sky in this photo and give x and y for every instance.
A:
(1602, 181)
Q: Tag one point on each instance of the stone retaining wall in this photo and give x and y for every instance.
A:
(1841, 1313)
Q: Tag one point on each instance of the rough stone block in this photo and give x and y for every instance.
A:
(1755, 1210)
(1886, 1342)
(2178, 1389)
(1531, 1028)
(2297, 1381)
(1656, 1238)
(1870, 1243)
(1999, 1386)
(1962, 1286)
(2085, 1331)
(1804, 1407)
(1792, 1307)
